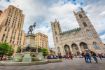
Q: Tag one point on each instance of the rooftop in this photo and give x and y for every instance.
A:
(71, 31)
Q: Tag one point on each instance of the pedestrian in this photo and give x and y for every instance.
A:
(94, 56)
(83, 55)
(70, 56)
(100, 56)
(87, 57)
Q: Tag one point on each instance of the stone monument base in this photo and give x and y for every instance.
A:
(27, 57)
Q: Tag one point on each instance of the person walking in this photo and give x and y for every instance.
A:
(94, 56)
(100, 56)
(70, 56)
(83, 55)
(87, 57)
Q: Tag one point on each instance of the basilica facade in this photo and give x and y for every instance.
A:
(77, 40)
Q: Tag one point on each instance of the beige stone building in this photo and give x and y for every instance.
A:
(77, 40)
(41, 40)
(11, 24)
(1, 12)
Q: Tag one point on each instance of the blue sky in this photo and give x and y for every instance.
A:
(44, 11)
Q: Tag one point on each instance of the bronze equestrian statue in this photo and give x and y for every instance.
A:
(31, 28)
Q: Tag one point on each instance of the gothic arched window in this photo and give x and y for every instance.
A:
(80, 16)
(90, 34)
(84, 23)
(95, 45)
(55, 32)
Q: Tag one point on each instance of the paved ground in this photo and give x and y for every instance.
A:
(75, 64)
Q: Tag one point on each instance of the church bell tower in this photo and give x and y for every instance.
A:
(56, 30)
(85, 24)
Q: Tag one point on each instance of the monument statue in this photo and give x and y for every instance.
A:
(30, 39)
(31, 28)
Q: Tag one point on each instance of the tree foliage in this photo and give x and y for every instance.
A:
(18, 49)
(6, 49)
(44, 51)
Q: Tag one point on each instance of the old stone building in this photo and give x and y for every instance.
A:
(79, 39)
(41, 40)
(11, 24)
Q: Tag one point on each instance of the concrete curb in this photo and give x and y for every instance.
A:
(2, 63)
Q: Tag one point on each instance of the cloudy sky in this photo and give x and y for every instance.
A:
(44, 11)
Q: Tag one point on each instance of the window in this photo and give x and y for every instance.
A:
(11, 40)
(80, 16)
(54, 25)
(90, 34)
(98, 39)
(6, 29)
(6, 22)
(3, 37)
(84, 23)
(5, 40)
(95, 45)
(55, 32)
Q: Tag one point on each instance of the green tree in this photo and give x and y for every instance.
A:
(10, 51)
(44, 51)
(18, 49)
(5, 49)
(39, 49)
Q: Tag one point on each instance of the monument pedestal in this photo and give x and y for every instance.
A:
(30, 44)
(17, 57)
(27, 57)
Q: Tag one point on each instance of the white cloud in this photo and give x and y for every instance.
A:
(96, 16)
(103, 37)
(63, 12)
(102, 14)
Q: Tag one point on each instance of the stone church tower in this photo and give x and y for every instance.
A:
(56, 34)
(79, 39)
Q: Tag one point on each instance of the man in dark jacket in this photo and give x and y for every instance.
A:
(94, 56)
(88, 57)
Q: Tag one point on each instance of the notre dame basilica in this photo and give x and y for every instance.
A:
(79, 39)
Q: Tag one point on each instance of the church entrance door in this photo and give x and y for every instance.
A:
(75, 49)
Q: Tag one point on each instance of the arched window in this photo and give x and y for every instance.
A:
(84, 23)
(95, 45)
(55, 32)
(3, 37)
(80, 16)
(90, 34)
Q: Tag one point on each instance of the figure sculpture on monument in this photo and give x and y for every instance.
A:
(31, 28)
(30, 33)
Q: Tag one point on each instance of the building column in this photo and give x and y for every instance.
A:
(71, 49)
(62, 51)
(79, 49)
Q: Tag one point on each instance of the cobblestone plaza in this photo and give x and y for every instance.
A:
(75, 64)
